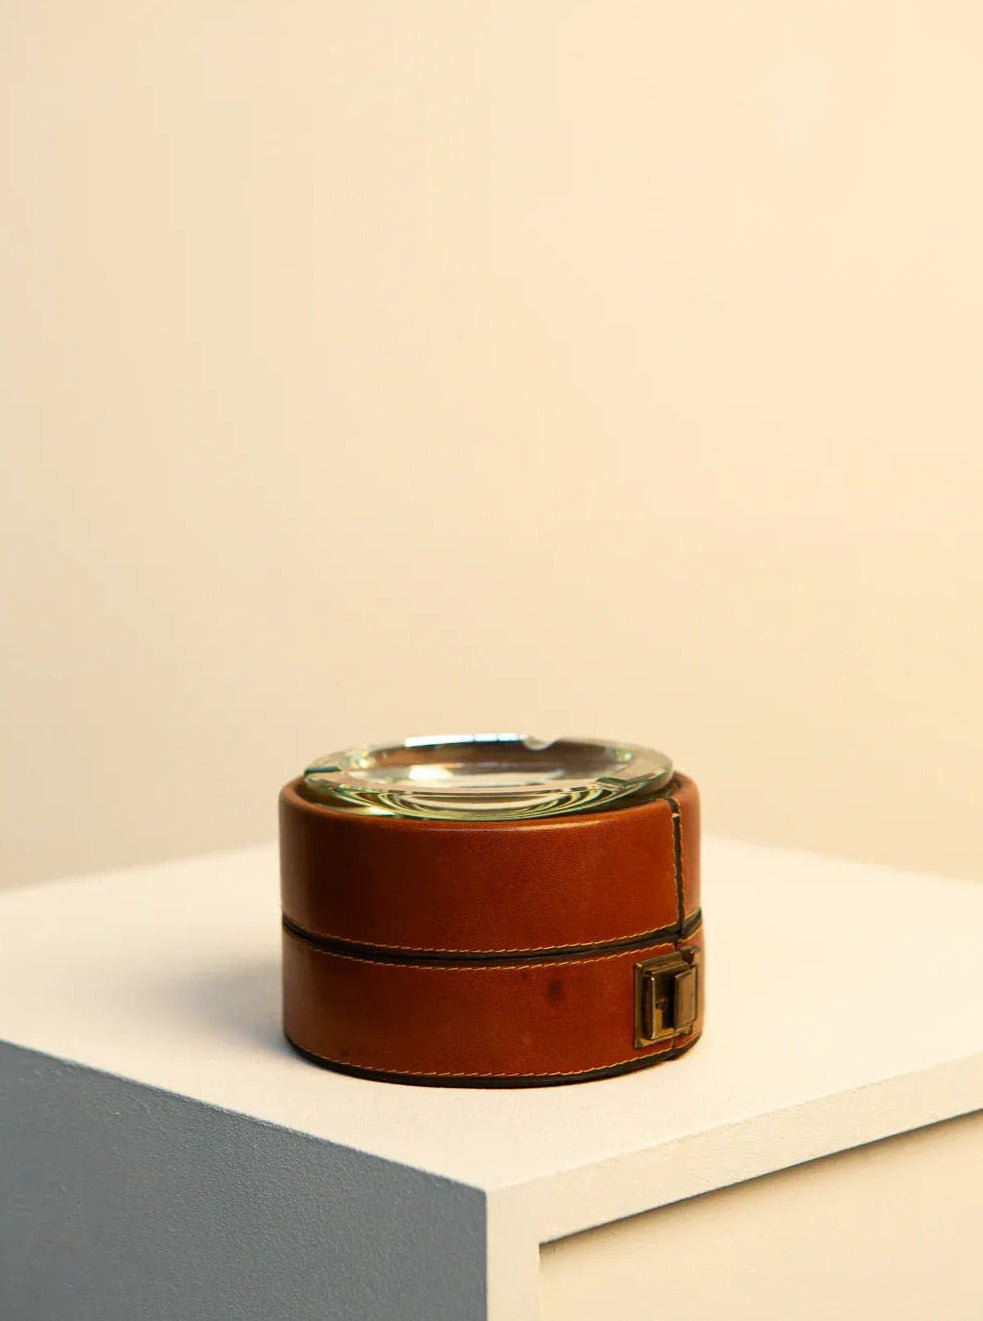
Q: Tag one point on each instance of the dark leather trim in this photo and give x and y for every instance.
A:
(676, 931)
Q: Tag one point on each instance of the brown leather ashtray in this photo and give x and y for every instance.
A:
(491, 910)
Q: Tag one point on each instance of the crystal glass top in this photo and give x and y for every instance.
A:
(483, 777)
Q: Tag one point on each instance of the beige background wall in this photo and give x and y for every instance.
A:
(573, 366)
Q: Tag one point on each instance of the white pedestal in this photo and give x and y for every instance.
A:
(164, 1154)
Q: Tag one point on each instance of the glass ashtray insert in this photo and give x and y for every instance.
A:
(479, 777)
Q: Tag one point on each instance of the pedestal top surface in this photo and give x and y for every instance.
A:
(826, 978)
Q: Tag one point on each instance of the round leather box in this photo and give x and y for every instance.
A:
(497, 953)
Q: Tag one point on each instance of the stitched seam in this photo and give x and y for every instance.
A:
(522, 949)
(309, 937)
(684, 861)
(677, 857)
(458, 1073)
(476, 965)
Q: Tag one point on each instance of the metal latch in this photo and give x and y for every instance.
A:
(666, 996)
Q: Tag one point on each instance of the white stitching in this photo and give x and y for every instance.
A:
(553, 1073)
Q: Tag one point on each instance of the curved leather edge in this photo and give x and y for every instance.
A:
(530, 1080)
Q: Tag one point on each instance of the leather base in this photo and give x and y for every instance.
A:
(547, 1017)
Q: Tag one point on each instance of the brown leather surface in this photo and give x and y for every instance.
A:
(460, 886)
(558, 1017)
(401, 957)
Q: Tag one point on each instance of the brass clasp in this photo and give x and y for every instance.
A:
(666, 996)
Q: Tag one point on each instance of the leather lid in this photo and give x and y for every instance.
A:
(462, 887)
